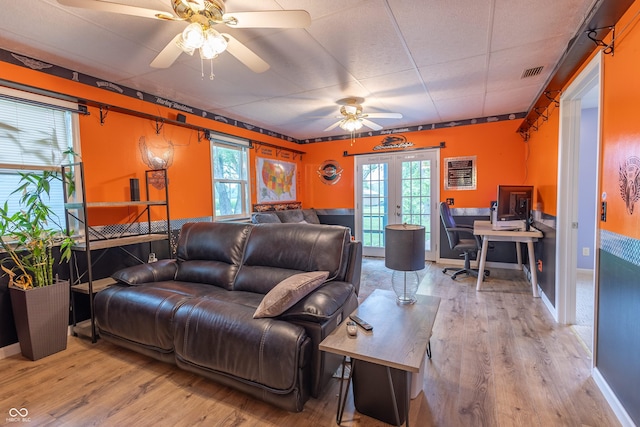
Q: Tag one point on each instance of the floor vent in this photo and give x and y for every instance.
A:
(531, 72)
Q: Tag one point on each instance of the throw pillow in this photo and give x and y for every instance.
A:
(265, 218)
(291, 215)
(310, 216)
(288, 292)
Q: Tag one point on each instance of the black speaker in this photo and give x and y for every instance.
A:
(181, 118)
(134, 188)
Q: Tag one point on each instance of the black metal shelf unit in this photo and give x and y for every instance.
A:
(90, 238)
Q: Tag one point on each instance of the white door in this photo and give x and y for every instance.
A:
(396, 188)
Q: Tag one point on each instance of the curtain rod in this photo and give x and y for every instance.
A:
(266, 144)
(441, 145)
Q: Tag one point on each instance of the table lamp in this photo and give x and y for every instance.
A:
(404, 253)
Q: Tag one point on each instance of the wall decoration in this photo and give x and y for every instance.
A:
(276, 180)
(460, 173)
(629, 179)
(330, 172)
(156, 158)
(270, 207)
(390, 142)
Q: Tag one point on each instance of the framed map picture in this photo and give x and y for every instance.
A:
(276, 180)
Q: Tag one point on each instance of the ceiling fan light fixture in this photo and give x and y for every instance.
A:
(213, 45)
(180, 43)
(193, 36)
(351, 124)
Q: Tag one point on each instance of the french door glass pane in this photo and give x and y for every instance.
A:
(416, 195)
(374, 203)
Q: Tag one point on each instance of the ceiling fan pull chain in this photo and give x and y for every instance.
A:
(211, 75)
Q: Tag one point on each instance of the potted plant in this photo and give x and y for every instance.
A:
(39, 301)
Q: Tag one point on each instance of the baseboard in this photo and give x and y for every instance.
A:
(547, 303)
(611, 398)
(10, 350)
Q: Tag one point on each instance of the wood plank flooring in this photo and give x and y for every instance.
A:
(499, 359)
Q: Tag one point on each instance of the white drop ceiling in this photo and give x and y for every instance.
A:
(434, 61)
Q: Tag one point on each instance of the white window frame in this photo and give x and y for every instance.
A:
(15, 166)
(242, 145)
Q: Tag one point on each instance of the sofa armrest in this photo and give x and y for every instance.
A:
(321, 304)
(144, 273)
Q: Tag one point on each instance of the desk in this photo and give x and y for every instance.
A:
(400, 339)
(483, 229)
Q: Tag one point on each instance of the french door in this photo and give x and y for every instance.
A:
(396, 188)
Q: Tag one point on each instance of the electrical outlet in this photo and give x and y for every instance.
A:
(450, 201)
(585, 251)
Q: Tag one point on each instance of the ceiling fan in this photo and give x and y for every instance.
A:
(352, 118)
(203, 16)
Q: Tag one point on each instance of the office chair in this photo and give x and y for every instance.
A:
(465, 245)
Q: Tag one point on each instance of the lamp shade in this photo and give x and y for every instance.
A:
(404, 247)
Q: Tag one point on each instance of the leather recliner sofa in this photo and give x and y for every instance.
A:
(197, 311)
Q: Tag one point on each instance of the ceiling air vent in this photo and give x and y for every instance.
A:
(531, 72)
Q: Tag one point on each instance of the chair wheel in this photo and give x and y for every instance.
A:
(486, 273)
(444, 270)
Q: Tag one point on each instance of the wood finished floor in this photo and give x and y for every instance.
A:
(498, 360)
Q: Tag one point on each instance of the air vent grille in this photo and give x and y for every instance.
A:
(531, 72)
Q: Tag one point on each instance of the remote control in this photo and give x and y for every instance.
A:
(364, 325)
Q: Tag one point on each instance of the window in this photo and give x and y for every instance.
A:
(230, 163)
(34, 133)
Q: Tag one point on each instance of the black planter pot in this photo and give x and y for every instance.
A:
(41, 316)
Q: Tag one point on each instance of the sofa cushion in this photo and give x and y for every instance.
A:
(277, 251)
(288, 292)
(310, 216)
(222, 337)
(211, 252)
(292, 215)
(265, 218)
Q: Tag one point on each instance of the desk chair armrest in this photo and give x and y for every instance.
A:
(461, 229)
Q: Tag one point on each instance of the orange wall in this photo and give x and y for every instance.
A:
(620, 124)
(497, 147)
(541, 152)
(620, 132)
(112, 155)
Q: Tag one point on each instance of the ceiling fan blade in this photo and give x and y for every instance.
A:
(268, 19)
(123, 9)
(245, 55)
(370, 124)
(383, 115)
(168, 55)
(333, 126)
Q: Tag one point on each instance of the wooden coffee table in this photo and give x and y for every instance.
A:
(399, 340)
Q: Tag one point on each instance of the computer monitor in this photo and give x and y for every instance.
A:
(514, 203)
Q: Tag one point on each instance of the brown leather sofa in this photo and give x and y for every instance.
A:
(197, 310)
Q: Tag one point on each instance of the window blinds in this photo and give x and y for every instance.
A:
(32, 136)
